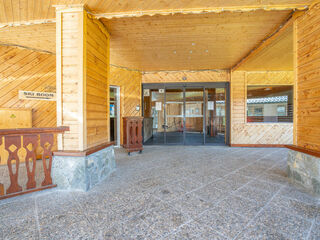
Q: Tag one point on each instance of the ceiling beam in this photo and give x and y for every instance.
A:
(265, 43)
(200, 11)
(27, 23)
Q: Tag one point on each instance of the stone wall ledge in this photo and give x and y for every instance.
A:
(304, 168)
(74, 170)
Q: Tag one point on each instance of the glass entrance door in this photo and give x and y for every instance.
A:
(183, 114)
(194, 116)
(215, 116)
(174, 116)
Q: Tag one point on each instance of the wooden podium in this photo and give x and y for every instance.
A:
(132, 134)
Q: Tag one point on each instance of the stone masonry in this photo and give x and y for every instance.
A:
(82, 173)
(304, 170)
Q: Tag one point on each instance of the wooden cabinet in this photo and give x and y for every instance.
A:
(132, 134)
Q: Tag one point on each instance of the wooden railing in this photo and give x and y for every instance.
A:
(28, 141)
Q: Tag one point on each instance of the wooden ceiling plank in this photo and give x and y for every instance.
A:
(3, 17)
(8, 10)
(30, 10)
(23, 10)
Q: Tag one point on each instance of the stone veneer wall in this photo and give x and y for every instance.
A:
(82, 173)
(304, 169)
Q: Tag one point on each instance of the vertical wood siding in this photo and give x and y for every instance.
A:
(307, 126)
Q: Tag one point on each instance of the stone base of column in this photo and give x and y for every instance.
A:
(304, 170)
(82, 170)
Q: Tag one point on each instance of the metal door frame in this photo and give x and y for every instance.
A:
(184, 86)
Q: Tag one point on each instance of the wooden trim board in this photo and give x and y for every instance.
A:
(304, 150)
(259, 145)
(83, 153)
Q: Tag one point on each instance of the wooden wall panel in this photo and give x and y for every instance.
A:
(130, 89)
(270, 78)
(256, 133)
(22, 69)
(191, 76)
(307, 126)
(97, 84)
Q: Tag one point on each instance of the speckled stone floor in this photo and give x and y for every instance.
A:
(174, 192)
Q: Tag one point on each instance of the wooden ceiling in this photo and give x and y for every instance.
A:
(277, 56)
(30, 10)
(163, 42)
(189, 42)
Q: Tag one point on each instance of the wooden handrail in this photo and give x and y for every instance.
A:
(21, 131)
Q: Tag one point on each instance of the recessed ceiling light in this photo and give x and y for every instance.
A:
(207, 50)
(191, 51)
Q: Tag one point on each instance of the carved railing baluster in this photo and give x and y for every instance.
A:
(27, 139)
(30, 143)
(12, 145)
(46, 142)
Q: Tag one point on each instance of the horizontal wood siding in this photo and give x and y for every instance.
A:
(189, 76)
(308, 79)
(97, 86)
(256, 133)
(130, 90)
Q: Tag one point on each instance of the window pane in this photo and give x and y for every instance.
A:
(270, 104)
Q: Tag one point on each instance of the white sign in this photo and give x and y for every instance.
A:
(146, 92)
(161, 90)
(158, 106)
(210, 105)
(48, 96)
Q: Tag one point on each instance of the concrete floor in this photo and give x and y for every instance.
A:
(174, 192)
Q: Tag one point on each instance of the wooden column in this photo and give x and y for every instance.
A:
(82, 61)
(71, 80)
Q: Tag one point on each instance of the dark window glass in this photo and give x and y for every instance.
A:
(270, 104)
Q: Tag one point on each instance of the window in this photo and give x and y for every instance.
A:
(270, 104)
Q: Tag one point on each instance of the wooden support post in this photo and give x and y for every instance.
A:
(82, 78)
(71, 80)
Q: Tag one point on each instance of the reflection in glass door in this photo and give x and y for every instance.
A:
(154, 120)
(174, 115)
(194, 116)
(215, 115)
